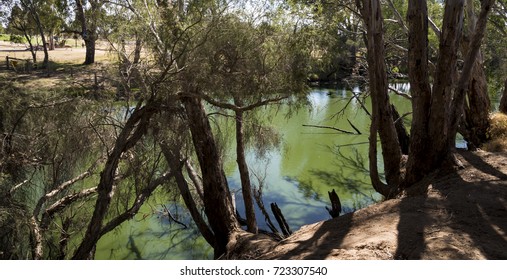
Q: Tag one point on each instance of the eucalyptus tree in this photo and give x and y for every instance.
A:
(437, 107)
(88, 14)
(174, 36)
(244, 67)
(21, 21)
(35, 7)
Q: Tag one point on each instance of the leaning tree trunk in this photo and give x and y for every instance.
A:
(33, 51)
(172, 157)
(217, 198)
(381, 107)
(36, 17)
(503, 101)
(246, 185)
(134, 129)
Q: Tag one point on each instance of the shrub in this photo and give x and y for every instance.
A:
(497, 133)
(17, 39)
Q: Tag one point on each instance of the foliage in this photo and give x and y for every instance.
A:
(16, 39)
(497, 133)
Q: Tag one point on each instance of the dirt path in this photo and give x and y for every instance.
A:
(462, 216)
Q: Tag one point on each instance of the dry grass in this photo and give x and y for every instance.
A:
(498, 133)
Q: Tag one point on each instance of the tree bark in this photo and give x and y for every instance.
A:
(173, 159)
(217, 199)
(503, 101)
(88, 30)
(418, 67)
(246, 185)
(475, 124)
(456, 112)
(196, 180)
(430, 133)
(381, 107)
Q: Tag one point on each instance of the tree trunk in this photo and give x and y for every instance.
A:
(33, 51)
(90, 49)
(381, 107)
(173, 159)
(217, 199)
(475, 124)
(503, 101)
(457, 106)
(246, 185)
(35, 15)
(430, 125)
(51, 41)
(88, 31)
(138, 49)
(477, 107)
(417, 18)
(134, 129)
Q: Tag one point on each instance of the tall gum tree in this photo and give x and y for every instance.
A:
(438, 108)
(88, 20)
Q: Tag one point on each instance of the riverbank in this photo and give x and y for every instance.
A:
(462, 215)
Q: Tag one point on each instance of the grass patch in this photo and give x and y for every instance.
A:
(497, 133)
(5, 37)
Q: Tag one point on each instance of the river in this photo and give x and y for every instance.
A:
(297, 175)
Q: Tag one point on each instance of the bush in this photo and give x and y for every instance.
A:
(497, 133)
(17, 39)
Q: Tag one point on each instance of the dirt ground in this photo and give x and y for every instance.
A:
(462, 215)
(66, 71)
(61, 55)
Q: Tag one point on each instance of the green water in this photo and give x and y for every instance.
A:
(297, 176)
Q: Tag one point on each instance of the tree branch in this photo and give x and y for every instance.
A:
(398, 16)
(331, 127)
(63, 203)
(235, 108)
(140, 199)
(397, 92)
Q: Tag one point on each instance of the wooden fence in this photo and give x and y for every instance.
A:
(19, 65)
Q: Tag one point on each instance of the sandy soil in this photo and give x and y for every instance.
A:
(462, 215)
